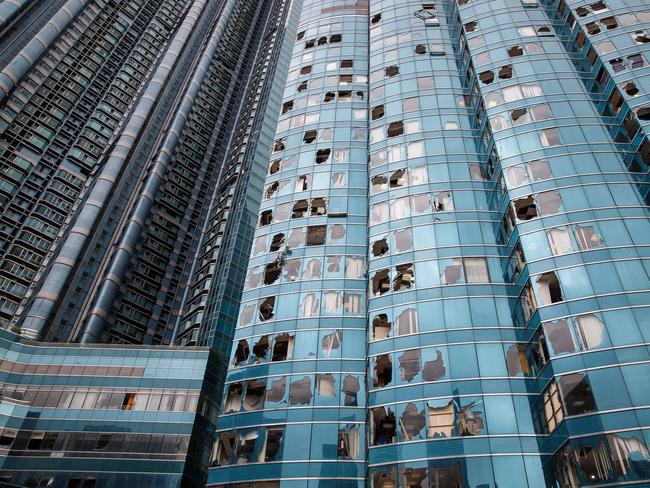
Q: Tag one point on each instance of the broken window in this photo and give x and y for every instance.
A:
(434, 370)
(302, 182)
(300, 392)
(375, 18)
(420, 49)
(383, 371)
(322, 155)
(335, 38)
(591, 330)
(609, 22)
(643, 113)
(233, 398)
(441, 420)
(476, 270)
(453, 273)
(515, 51)
(516, 360)
(282, 347)
(411, 423)
(442, 202)
(260, 348)
(287, 106)
(302, 87)
(305, 70)
(392, 71)
(470, 422)
(404, 277)
(276, 242)
(241, 353)
(379, 183)
(525, 208)
(548, 289)
(224, 449)
(559, 240)
(380, 282)
(395, 129)
(300, 209)
(410, 364)
(348, 443)
(403, 240)
(272, 273)
(326, 385)
(640, 37)
(282, 212)
(351, 388)
(381, 326)
(318, 207)
(486, 77)
(291, 269)
(329, 96)
(577, 394)
(377, 112)
(406, 322)
(383, 426)
(253, 278)
(277, 390)
(272, 444)
(550, 202)
(316, 235)
(559, 336)
(310, 136)
(471, 26)
(266, 217)
(398, 178)
(246, 447)
(254, 398)
(505, 72)
(267, 306)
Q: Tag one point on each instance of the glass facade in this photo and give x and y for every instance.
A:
(448, 285)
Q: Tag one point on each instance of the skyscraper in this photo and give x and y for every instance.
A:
(414, 232)
(448, 285)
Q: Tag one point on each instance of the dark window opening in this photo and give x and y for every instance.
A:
(377, 112)
(322, 155)
(392, 71)
(486, 77)
(381, 327)
(266, 309)
(310, 136)
(548, 288)
(525, 208)
(300, 392)
(383, 426)
(515, 51)
(241, 353)
(404, 277)
(287, 106)
(261, 348)
(272, 272)
(300, 209)
(282, 347)
(316, 235)
(381, 282)
(577, 394)
(277, 242)
(395, 129)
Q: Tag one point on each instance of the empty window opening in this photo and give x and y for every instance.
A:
(233, 398)
(241, 353)
(403, 240)
(272, 272)
(246, 447)
(266, 309)
(322, 155)
(310, 136)
(300, 35)
(410, 364)
(406, 322)
(643, 113)
(381, 327)
(398, 178)
(287, 106)
(434, 370)
(261, 348)
(548, 289)
(302, 87)
(441, 420)
(383, 426)
(302, 182)
(420, 49)
(300, 209)
(300, 392)
(631, 89)
(404, 277)
(379, 247)
(275, 166)
(609, 22)
(305, 70)
(417, 478)
(345, 79)
(383, 371)
(322, 41)
(379, 183)
(471, 26)
(395, 129)
(392, 71)
(345, 96)
(577, 394)
(277, 391)
(640, 37)
(272, 445)
(278, 145)
(525, 208)
(411, 423)
(309, 44)
(375, 18)
(282, 347)
(318, 207)
(316, 235)
(351, 388)
(326, 385)
(486, 77)
(348, 444)
(254, 398)
(377, 112)
(335, 38)
(593, 28)
(271, 190)
(329, 96)
(516, 51)
(276, 242)
(347, 63)
(381, 282)
(505, 72)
